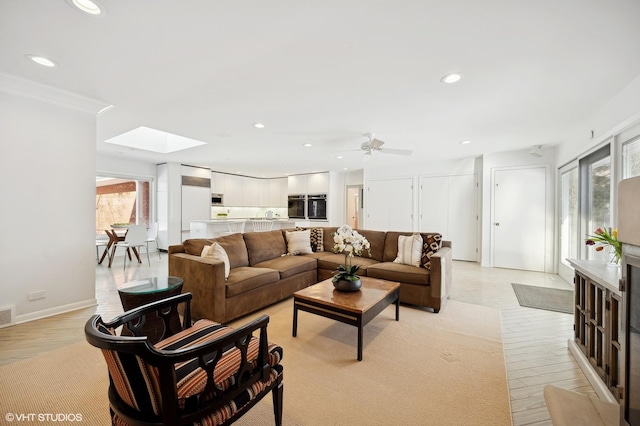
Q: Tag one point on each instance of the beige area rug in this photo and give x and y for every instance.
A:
(426, 369)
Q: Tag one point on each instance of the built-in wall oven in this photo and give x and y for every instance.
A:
(297, 205)
(317, 206)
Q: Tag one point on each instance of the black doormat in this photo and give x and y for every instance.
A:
(550, 299)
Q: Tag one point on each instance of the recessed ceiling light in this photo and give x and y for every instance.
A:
(346, 168)
(258, 125)
(465, 142)
(88, 6)
(307, 145)
(339, 157)
(41, 60)
(451, 78)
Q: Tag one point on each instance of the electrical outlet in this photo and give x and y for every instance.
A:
(35, 295)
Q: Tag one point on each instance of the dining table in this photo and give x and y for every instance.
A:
(115, 235)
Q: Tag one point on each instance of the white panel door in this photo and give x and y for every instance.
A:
(519, 218)
(376, 205)
(389, 204)
(463, 217)
(433, 217)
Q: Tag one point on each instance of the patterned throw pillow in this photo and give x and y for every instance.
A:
(431, 244)
(316, 237)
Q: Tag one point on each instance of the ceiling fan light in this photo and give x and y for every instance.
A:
(41, 60)
(451, 78)
(87, 6)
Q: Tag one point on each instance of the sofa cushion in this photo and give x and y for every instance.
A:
(376, 240)
(409, 250)
(298, 242)
(248, 278)
(194, 246)
(236, 249)
(316, 237)
(263, 246)
(215, 251)
(432, 243)
(288, 266)
(391, 245)
(332, 261)
(327, 237)
(397, 272)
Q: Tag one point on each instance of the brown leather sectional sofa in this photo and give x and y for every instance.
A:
(262, 274)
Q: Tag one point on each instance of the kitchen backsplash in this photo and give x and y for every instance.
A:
(247, 212)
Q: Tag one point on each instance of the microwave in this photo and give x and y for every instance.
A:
(217, 199)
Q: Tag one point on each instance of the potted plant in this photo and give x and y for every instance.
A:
(350, 242)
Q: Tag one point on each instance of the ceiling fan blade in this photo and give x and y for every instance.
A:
(376, 143)
(396, 151)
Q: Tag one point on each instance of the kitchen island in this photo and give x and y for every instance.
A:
(217, 227)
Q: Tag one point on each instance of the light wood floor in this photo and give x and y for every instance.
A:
(535, 341)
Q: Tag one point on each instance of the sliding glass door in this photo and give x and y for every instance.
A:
(595, 173)
(121, 201)
(569, 214)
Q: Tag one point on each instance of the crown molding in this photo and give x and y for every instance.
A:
(23, 87)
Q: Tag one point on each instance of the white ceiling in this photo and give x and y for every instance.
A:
(328, 72)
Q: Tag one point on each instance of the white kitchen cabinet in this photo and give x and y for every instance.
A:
(278, 190)
(233, 190)
(297, 184)
(249, 191)
(318, 183)
(218, 183)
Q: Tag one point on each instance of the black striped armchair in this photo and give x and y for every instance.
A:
(205, 373)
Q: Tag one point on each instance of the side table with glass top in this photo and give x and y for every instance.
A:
(137, 293)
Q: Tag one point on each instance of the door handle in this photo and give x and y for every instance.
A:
(497, 224)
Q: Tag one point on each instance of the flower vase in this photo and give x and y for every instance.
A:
(613, 258)
(346, 285)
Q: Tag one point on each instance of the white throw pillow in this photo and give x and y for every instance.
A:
(299, 242)
(409, 250)
(217, 252)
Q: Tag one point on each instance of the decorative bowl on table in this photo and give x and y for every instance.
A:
(120, 225)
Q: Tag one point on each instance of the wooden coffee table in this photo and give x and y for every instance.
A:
(354, 308)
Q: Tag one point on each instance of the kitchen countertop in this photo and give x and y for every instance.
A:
(238, 219)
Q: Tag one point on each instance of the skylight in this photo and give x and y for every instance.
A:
(154, 140)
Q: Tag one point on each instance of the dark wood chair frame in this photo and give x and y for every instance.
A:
(208, 355)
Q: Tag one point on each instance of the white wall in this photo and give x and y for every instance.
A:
(47, 188)
(119, 166)
(621, 112)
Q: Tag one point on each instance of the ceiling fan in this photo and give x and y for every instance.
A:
(375, 145)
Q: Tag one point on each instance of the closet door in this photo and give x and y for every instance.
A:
(449, 205)
(389, 204)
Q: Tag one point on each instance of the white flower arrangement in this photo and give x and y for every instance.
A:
(350, 242)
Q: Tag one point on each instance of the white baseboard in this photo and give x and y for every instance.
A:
(55, 311)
